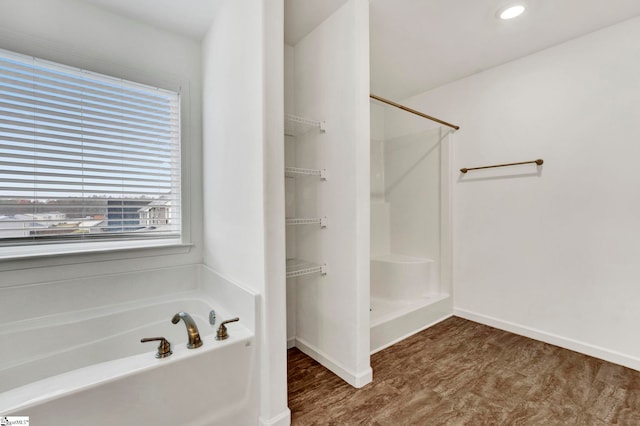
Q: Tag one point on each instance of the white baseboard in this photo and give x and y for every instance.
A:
(355, 380)
(291, 342)
(553, 339)
(282, 419)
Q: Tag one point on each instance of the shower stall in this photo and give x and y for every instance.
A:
(410, 222)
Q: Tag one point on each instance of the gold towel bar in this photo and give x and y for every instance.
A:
(539, 162)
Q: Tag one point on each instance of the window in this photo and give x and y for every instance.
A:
(85, 157)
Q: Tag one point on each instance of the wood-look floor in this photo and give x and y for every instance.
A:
(462, 373)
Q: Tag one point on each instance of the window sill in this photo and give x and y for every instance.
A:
(111, 250)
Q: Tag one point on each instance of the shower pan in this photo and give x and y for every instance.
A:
(410, 225)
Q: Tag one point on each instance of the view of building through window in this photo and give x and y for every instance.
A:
(85, 156)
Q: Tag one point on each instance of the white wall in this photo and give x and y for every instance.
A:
(233, 144)
(331, 69)
(243, 157)
(551, 252)
(274, 408)
(81, 35)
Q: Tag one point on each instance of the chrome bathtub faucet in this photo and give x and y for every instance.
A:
(192, 329)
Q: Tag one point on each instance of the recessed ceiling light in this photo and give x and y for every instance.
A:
(511, 12)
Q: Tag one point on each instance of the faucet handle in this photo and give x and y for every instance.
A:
(222, 330)
(164, 349)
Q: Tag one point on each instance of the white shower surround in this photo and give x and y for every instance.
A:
(410, 225)
(416, 276)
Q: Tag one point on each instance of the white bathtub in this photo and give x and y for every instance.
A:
(89, 367)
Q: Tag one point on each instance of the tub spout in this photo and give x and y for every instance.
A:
(192, 329)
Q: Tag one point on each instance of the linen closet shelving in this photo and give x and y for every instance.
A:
(297, 126)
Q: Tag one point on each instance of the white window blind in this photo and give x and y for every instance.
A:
(85, 157)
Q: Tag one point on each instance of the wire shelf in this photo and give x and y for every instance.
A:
(292, 172)
(322, 221)
(298, 268)
(295, 126)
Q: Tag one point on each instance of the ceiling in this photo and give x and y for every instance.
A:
(188, 17)
(193, 17)
(302, 16)
(416, 45)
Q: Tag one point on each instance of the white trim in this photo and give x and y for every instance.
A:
(106, 255)
(63, 249)
(282, 419)
(291, 342)
(553, 339)
(356, 380)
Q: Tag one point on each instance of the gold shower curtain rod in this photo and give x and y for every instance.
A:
(413, 111)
